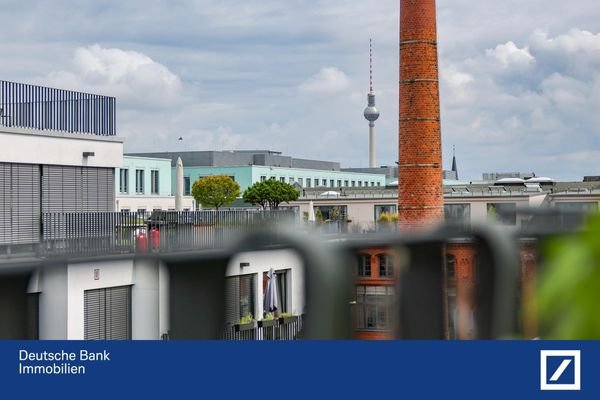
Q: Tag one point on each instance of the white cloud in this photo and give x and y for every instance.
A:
(328, 80)
(576, 40)
(508, 55)
(133, 77)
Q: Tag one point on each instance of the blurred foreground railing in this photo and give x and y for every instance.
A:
(489, 272)
(284, 328)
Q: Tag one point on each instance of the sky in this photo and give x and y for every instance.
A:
(519, 80)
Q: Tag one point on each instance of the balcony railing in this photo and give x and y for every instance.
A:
(284, 328)
(84, 234)
(49, 109)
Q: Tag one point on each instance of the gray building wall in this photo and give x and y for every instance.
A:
(239, 158)
(390, 172)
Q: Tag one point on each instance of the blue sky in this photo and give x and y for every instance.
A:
(520, 80)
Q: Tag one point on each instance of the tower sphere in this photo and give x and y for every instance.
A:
(371, 112)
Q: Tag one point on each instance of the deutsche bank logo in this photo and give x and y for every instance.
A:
(560, 370)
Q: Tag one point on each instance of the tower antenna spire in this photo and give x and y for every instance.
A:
(370, 66)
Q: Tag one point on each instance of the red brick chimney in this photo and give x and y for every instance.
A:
(420, 194)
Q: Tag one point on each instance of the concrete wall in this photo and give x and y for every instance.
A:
(59, 148)
(262, 261)
(146, 297)
(53, 302)
(362, 211)
(163, 166)
(375, 180)
(149, 203)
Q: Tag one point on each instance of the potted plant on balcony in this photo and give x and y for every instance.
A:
(387, 222)
(246, 323)
(287, 318)
(268, 321)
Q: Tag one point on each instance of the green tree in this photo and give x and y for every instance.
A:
(270, 193)
(215, 191)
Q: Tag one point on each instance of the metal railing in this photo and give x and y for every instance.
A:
(49, 109)
(284, 328)
(85, 234)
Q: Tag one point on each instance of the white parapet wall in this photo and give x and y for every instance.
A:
(26, 146)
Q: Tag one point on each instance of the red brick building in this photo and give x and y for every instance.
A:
(375, 280)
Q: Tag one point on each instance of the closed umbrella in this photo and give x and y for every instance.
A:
(311, 212)
(270, 303)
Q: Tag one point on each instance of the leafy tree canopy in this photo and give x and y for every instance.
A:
(215, 191)
(270, 193)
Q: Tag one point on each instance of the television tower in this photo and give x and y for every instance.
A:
(371, 112)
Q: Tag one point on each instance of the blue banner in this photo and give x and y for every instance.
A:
(303, 369)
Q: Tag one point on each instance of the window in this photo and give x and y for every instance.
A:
(346, 183)
(282, 179)
(450, 267)
(240, 293)
(372, 184)
(339, 183)
(331, 183)
(232, 178)
(291, 180)
(186, 186)
(281, 279)
(364, 265)
(366, 184)
(386, 266)
(374, 307)
(139, 181)
(263, 178)
(378, 184)
(451, 293)
(459, 214)
(359, 183)
(308, 182)
(125, 210)
(333, 213)
(141, 211)
(505, 213)
(324, 182)
(353, 184)
(384, 209)
(124, 181)
(573, 214)
(154, 182)
(301, 182)
(107, 313)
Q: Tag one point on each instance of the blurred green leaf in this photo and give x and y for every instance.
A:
(569, 291)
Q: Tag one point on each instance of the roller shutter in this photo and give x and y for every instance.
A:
(19, 203)
(107, 313)
(239, 297)
(78, 189)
